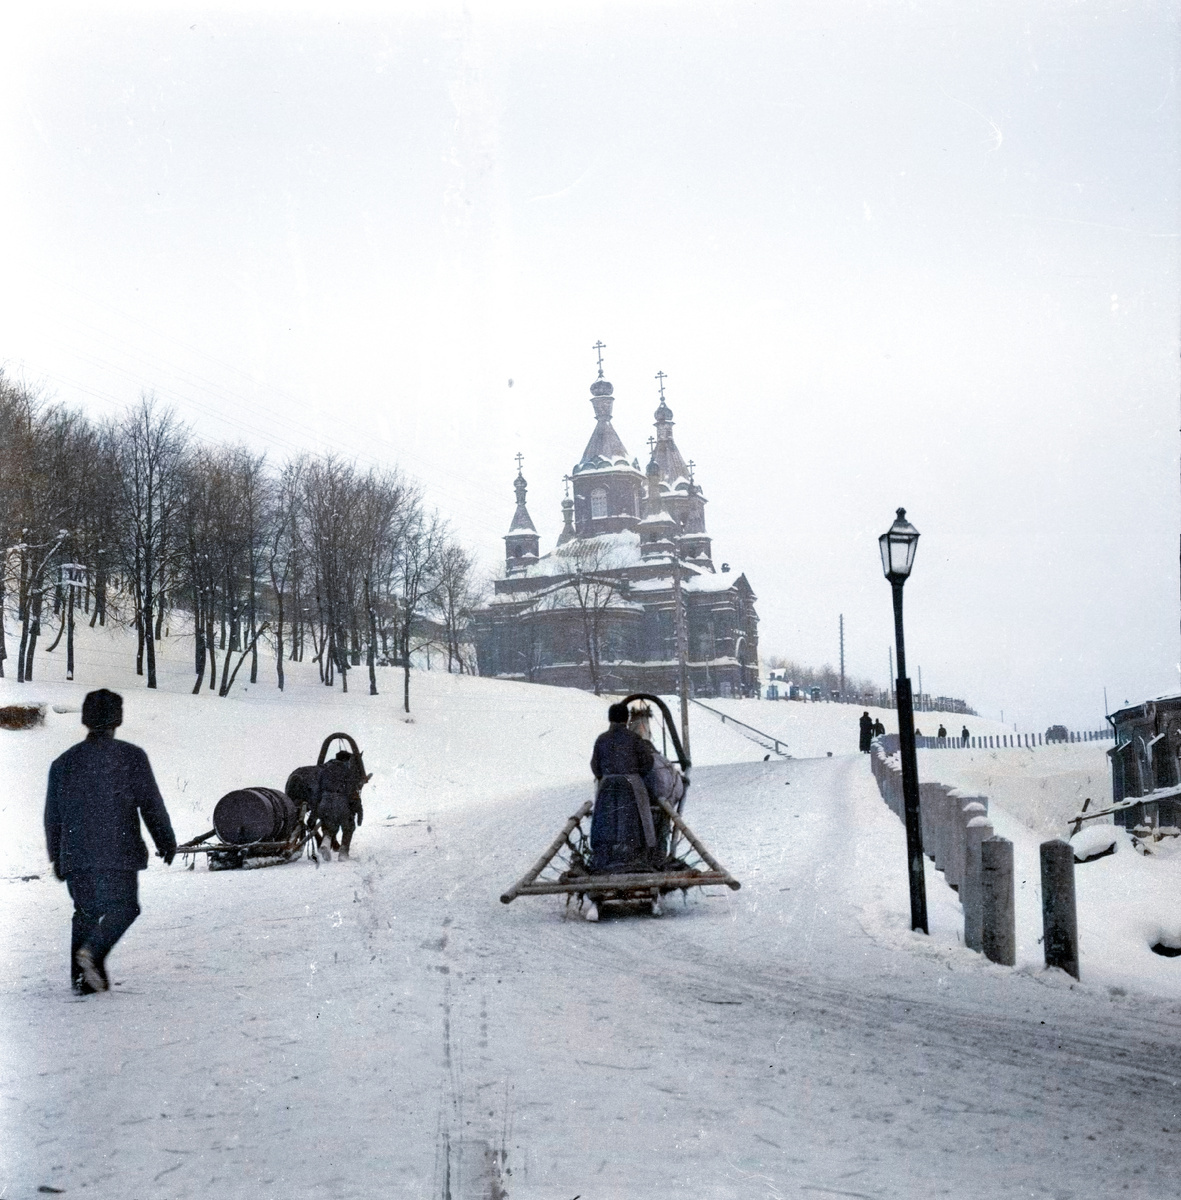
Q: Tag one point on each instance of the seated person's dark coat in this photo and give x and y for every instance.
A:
(618, 841)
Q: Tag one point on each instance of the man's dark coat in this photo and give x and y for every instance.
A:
(98, 790)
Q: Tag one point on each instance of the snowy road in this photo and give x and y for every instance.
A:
(385, 1027)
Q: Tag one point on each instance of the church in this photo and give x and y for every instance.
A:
(599, 611)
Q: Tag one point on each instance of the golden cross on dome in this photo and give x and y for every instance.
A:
(599, 347)
(520, 460)
(661, 376)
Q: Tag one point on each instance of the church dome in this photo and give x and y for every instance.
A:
(663, 413)
(601, 387)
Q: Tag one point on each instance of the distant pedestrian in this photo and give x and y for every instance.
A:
(866, 724)
(942, 732)
(878, 728)
(964, 735)
(98, 790)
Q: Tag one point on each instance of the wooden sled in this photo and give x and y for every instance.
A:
(564, 868)
(291, 830)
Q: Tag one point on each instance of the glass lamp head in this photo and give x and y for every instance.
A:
(898, 545)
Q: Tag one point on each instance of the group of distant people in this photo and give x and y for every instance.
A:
(871, 729)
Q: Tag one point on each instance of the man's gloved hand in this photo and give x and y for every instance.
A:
(168, 856)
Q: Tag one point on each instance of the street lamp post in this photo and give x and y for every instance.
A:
(898, 545)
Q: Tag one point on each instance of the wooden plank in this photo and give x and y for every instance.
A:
(544, 861)
(695, 842)
(641, 882)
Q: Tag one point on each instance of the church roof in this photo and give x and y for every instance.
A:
(522, 521)
(604, 443)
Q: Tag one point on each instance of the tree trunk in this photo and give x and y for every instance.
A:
(3, 644)
(70, 638)
(279, 635)
(61, 629)
(372, 640)
(226, 684)
(149, 640)
(405, 640)
(211, 646)
(34, 633)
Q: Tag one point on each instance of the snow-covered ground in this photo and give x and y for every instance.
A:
(385, 1027)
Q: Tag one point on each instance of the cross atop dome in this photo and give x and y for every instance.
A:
(599, 347)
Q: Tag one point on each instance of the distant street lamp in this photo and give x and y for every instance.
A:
(898, 545)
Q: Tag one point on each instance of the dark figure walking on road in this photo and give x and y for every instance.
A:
(623, 835)
(878, 728)
(942, 734)
(964, 735)
(98, 790)
(866, 724)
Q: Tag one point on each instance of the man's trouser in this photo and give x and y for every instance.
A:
(105, 904)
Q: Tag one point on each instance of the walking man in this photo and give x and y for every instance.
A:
(98, 790)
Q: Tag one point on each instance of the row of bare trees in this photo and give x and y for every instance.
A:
(135, 521)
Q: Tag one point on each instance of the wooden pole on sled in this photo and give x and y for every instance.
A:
(691, 838)
(543, 861)
(589, 884)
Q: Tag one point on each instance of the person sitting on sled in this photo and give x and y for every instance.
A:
(623, 834)
(663, 780)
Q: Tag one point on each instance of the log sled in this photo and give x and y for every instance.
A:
(261, 826)
(565, 866)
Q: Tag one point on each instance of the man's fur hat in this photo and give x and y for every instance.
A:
(102, 709)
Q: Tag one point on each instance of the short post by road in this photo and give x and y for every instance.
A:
(1059, 913)
(897, 546)
(998, 915)
(972, 893)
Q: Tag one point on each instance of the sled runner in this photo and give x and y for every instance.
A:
(262, 827)
(682, 861)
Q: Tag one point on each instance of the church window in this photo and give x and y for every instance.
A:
(598, 503)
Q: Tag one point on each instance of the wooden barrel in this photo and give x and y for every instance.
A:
(254, 815)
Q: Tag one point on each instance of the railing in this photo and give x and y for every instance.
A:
(756, 735)
(1000, 741)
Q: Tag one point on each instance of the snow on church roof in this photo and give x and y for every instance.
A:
(607, 552)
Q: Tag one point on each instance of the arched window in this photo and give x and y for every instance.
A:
(599, 502)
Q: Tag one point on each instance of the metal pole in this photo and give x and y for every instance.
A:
(910, 777)
(842, 656)
(682, 652)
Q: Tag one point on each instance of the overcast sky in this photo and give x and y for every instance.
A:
(888, 254)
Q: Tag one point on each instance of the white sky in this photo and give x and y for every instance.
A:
(887, 254)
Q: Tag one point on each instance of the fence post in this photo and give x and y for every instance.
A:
(964, 808)
(1059, 915)
(928, 815)
(972, 893)
(998, 934)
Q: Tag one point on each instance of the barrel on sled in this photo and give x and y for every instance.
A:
(257, 814)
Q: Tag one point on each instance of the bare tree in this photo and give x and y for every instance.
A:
(283, 547)
(150, 453)
(455, 599)
(594, 590)
(417, 575)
